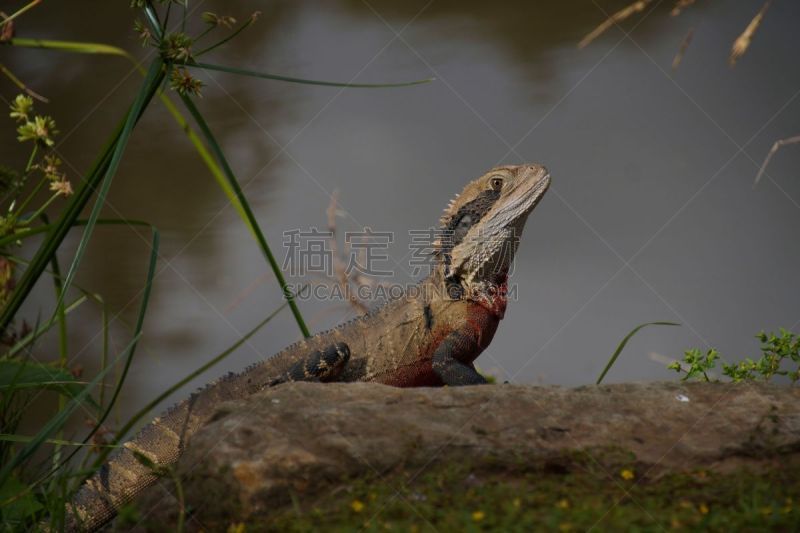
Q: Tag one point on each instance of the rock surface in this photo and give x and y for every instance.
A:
(305, 438)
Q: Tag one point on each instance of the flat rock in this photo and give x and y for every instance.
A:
(303, 438)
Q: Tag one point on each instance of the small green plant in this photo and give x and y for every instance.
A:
(780, 356)
(695, 364)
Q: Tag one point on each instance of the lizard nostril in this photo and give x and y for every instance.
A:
(540, 171)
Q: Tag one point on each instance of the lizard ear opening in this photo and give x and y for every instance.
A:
(462, 227)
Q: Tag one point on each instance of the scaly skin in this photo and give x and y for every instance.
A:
(428, 337)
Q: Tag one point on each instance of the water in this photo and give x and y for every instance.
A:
(652, 214)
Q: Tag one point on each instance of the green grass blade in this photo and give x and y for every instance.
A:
(154, 76)
(625, 342)
(55, 385)
(38, 331)
(28, 232)
(25, 438)
(16, 374)
(55, 423)
(104, 354)
(21, 234)
(157, 29)
(61, 315)
(69, 46)
(251, 219)
(166, 16)
(30, 5)
(63, 341)
(205, 156)
(267, 76)
(152, 19)
(137, 332)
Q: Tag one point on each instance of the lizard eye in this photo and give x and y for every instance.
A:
(496, 183)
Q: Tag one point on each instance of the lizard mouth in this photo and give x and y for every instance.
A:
(541, 186)
(538, 189)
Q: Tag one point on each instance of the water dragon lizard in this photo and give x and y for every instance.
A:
(428, 337)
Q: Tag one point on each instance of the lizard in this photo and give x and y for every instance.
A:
(429, 336)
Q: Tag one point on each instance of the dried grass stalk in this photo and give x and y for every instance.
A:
(775, 147)
(680, 6)
(742, 43)
(682, 50)
(6, 28)
(340, 279)
(339, 265)
(616, 18)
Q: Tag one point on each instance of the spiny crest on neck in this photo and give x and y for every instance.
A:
(473, 202)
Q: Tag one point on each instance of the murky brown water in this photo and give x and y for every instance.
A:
(652, 216)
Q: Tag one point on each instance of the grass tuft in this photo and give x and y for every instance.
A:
(624, 342)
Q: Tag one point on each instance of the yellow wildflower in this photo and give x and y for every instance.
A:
(627, 474)
(563, 503)
(703, 508)
(477, 516)
(516, 502)
(357, 506)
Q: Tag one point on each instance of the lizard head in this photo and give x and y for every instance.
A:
(482, 225)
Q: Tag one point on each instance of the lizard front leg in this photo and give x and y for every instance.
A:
(448, 359)
(321, 365)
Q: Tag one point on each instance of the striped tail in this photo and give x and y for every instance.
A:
(129, 471)
(160, 444)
